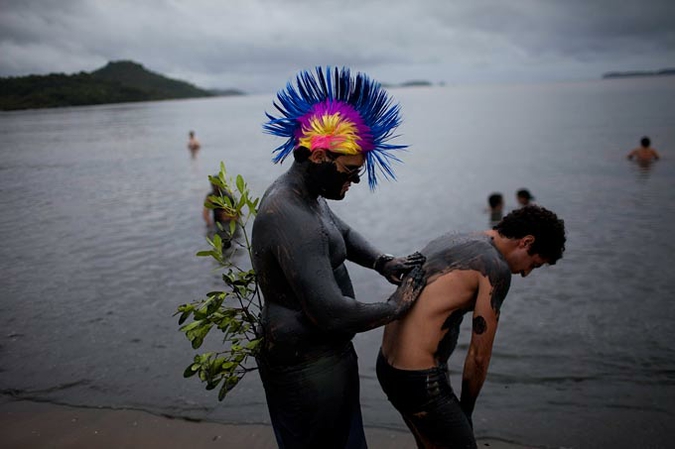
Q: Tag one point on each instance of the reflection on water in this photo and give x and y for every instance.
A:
(643, 169)
(101, 217)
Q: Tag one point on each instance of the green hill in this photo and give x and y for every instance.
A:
(135, 76)
(117, 82)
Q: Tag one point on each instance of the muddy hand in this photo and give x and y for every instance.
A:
(416, 258)
(395, 269)
(410, 289)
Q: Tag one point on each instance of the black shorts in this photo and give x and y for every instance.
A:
(428, 405)
(315, 404)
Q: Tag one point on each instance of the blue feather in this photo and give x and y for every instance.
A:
(366, 96)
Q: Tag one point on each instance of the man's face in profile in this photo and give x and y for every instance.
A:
(334, 175)
(522, 260)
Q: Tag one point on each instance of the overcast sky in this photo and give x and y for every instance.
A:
(257, 45)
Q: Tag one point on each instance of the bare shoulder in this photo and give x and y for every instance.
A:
(475, 252)
(462, 262)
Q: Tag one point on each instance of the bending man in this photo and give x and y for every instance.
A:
(464, 273)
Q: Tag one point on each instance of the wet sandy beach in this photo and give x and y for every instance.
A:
(35, 425)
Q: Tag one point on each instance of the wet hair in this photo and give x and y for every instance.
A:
(524, 193)
(548, 230)
(495, 200)
(645, 142)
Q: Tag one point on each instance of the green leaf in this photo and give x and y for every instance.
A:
(214, 306)
(197, 342)
(217, 363)
(184, 316)
(217, 241)
(209, 203)
(206, 253)
(228, 365)
(223, 392)
(253, 344)
(191, 370)
(185, 307)
(240, 184)
(191, 326)
(232, 381)
(227, 202)
(202, 331)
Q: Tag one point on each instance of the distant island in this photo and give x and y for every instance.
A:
(413, 83)
(117, 82)
(416, 83)
(635, 73)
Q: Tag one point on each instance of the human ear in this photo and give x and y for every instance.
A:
(318, 156)
(527, 241)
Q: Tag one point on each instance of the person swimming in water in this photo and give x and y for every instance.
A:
(495, 207)
(644, 155)
(217, 218)
(193, 144)
(524, 197)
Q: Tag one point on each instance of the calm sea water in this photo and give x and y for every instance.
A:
(100, 220)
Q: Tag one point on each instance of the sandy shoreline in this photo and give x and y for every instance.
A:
(35, 425)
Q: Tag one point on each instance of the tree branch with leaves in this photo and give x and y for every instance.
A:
(235, 311)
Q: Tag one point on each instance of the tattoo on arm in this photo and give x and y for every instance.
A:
(479, 325)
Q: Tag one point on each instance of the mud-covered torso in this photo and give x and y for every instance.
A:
(290, 337)
(476, 252)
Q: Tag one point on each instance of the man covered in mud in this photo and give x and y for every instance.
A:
(464, 273)
(337, 127)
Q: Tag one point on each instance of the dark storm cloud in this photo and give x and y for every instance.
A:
(259, 44)
(574, 28)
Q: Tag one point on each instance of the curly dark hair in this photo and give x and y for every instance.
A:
(548, 230)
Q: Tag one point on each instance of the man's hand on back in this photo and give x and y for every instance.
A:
(395, 268)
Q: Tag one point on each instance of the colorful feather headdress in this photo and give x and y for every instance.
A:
(340, 113)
